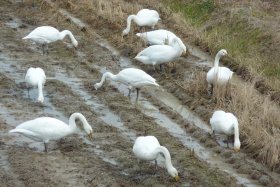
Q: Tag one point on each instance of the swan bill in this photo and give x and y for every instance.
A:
(177, 178)
(237, 149)
(90, 136)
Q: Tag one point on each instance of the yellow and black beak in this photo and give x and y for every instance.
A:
(177, 178)
(237, 149)
(90, 136)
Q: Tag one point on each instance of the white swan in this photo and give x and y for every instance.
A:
(159, 54)
(35, 77)
(144, 17)
(219, 75)
(160, 37)
(47, 34)
(148, 148)
(134, 78)
(226, 123)
(46, 128)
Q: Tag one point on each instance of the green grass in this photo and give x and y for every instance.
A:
(247, 43)
(196, 11)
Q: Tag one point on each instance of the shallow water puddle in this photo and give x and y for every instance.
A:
(10, 69)
(105, 113)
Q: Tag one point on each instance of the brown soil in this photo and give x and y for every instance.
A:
(116, 119)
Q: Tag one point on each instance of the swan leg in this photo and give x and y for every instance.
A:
(129, 92)
(160, 66)
(227, 141)
(155, 166)
(44, 48)
(47, 49)
(210, 89)
(46, 147)
(28, 92)
(137, 91)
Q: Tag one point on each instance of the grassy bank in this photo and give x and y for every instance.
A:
(247, 29)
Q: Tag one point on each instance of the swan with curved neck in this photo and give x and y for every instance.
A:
(132, 77)
(159, 54)
(226, 123)
(47, 34)
(160, 37)
(44, 129)
(35, 77)
(144, 17)
(148, 148)
(218, 75)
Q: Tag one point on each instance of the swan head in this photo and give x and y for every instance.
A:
(40, 99)
(125, 32)
(236, 146)
(75, 43)
(88, 130)
(97, 85)
(174, 173)
(222, 52)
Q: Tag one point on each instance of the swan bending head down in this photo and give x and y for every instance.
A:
(226, 123)
(44, 129)
(47, 34)
(148, 148)
(35, 77)
(132, 77)
(144, 17)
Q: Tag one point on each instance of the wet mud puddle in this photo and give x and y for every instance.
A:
(10, 69)
(174, 129)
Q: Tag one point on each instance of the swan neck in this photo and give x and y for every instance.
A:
(62, 35)
(129, 19)
(217, 60)
(236, 132)
(168, 164)
(72, 121)
(40, 91)
(105, 75)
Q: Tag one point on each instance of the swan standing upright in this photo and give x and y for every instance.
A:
(148, 148)
(219, 75)
(144, 17)
(35, 77)
(159, 54)
(47, 34)
(226, 123)
(44, 129)
(160, 37)
(134, 78)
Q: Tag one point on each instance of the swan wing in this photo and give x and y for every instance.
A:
(45, 127)
(44, 33)
(147, 17)
(144, 147)
(222, 122)
(34, 76)
(136, 77)
(30, 134)
(157, 37)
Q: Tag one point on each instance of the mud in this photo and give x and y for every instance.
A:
(166, 112)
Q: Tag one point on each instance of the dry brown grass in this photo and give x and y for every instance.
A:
(258, 117)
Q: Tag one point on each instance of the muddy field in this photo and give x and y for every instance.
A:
(166, 112)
